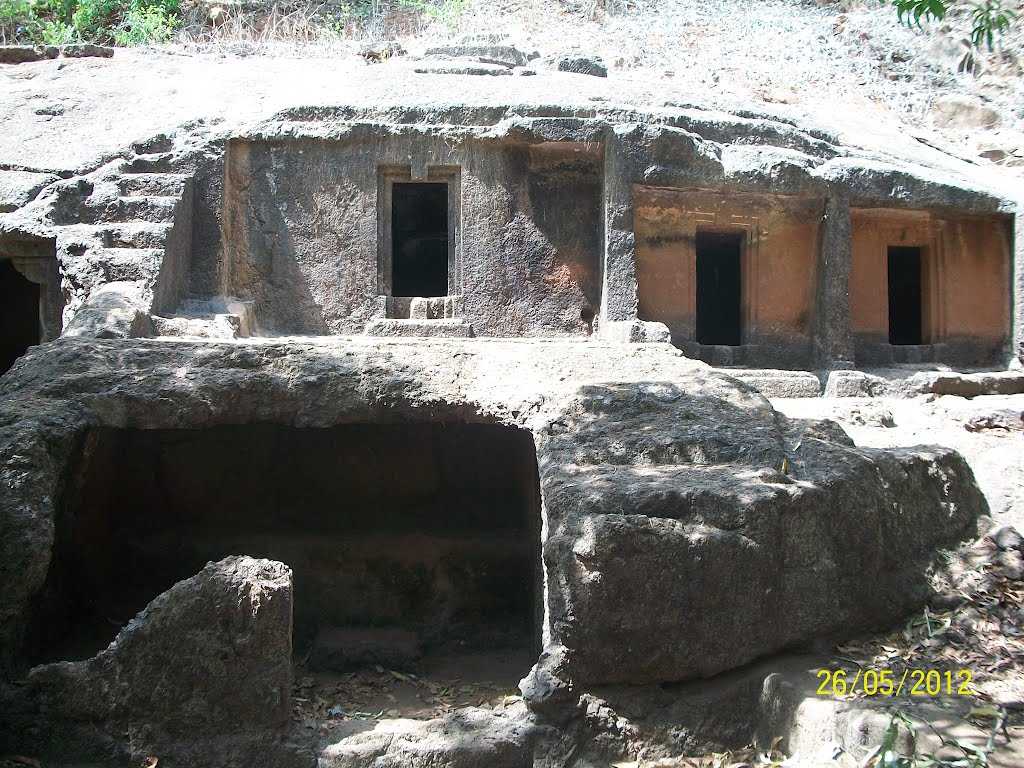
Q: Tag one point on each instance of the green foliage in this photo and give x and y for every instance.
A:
(57, 22)
(963, 754)
(447, 12)
(989, 18)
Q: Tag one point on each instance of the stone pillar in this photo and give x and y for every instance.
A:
(1017, 272)
(833, 333)
(619, 283)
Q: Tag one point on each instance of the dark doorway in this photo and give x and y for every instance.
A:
(419, 239)
(904, 295)
(19, 315)
(718, 287)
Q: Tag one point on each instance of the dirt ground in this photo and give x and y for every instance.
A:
(330, 706)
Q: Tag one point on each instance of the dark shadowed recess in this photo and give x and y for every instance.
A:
(718, 287)
(433, 528)
(419, 239)
(905, 303)
(19, 315)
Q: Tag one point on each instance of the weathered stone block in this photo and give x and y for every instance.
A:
(207, 660)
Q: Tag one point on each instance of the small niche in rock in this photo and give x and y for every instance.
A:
(410, 544)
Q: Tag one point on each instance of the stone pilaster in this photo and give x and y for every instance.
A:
(833, 333)
(619, 282)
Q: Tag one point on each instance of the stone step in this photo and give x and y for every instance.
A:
(777, 383)
(151, 184)
(451, 329)
(127, 264)
(156, 144)
(151, 208)
(134, 234)
(159, 162)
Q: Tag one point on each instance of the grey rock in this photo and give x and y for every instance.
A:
(86, 50)
(20, 187)
(1011, 563)
(450, 328)
(467, 738)
(205, 662)
(958, 111)
(114, 310)
(381, 51)
(505, 55)
(582, 64)
(854, 384)
(775, 383)
(965, 384)
(22, 54)
(460, 68)
(1006, 537)
(548, 689)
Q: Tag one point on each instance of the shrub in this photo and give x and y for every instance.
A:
(56, 22)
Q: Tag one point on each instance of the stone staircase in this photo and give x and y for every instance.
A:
(123, 236)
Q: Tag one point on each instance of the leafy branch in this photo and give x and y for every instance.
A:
(989, 18)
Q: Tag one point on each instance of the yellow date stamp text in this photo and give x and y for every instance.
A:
(888, 682)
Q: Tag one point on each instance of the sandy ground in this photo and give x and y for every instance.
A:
(987, 431)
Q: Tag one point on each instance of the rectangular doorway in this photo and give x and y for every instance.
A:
(719, 258)
(420, 244)
(20, 326)
(905, 301)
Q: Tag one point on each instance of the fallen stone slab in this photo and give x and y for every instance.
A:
(86, 50)
(340, 649)
(505, 55)
(778, 383)
(964, 384)
(23, 54)
(204, 664)
(461, 68)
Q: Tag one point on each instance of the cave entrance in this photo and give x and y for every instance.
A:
(905, 297)
(419, 239)
(413, 546)
(719, 257)
(19, 315)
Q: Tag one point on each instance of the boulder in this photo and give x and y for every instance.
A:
(678, 520)
(582, 64)
(967, 112)
(205, 662)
